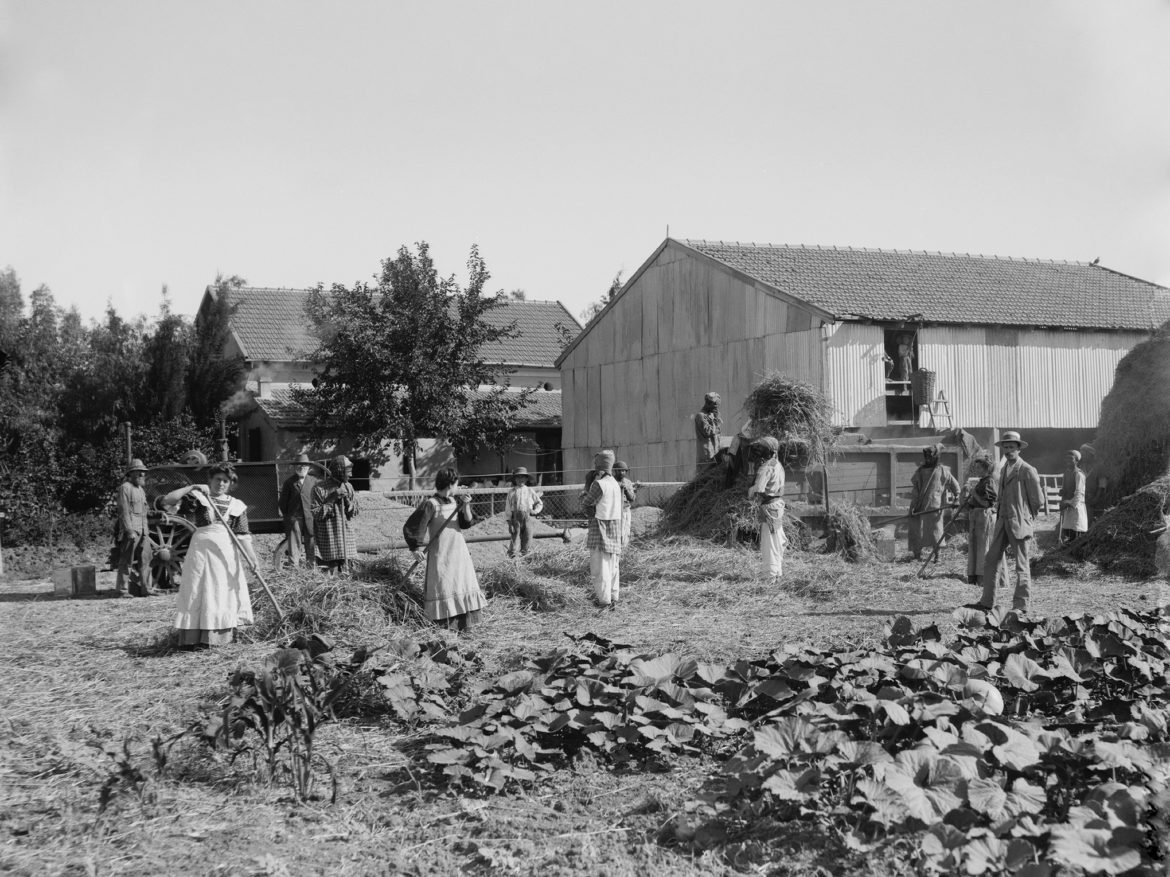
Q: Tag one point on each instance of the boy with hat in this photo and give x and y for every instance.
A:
(522, 503)
(296, 509)
(1020, 500)
(130, 534)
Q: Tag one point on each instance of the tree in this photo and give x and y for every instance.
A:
(402, 360)
(212, 377)
(167, 350)
(598, 306)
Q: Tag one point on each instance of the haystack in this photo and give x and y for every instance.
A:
(1123, 538)
(796, 414)
(1133, 436)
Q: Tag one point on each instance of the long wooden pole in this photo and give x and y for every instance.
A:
(248, 560)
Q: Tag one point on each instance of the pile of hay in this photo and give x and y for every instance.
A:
(706, 508)
(1133, 436)
(796, 414)
(1120, 539)
(351, 608)
(849, 533)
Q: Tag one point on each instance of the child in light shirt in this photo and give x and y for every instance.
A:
(522, 503)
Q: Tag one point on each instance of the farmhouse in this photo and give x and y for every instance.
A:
(270, 330)
(995, 343)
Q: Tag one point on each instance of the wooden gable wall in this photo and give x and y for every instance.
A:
(682, 328)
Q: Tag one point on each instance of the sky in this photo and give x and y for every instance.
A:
(292, 143)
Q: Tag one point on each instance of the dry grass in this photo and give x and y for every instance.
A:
(1120, 540)
(82, 672)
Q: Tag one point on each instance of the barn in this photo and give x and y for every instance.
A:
(998, 343)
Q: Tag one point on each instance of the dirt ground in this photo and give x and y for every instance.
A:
(82, 672)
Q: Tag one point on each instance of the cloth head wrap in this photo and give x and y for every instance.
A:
(603, 461)
(711, 398)
(767, 445)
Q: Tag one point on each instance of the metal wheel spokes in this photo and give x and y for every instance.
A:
(169, 538)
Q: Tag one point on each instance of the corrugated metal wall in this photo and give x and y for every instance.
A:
(1025, 378)
(855, 374)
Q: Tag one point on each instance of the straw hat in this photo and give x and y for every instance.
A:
(136, 465)
(194, 457)
(1011, 436)
(519, 472)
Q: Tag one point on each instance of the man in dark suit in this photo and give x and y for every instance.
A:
(296, 508)
(1020, 500)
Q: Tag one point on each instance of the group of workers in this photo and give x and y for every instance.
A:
(1001, 509)
(317, 512)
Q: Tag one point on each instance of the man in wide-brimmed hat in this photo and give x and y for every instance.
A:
(521, 504)
(1020, 500)
(131, 536)
(296, 509)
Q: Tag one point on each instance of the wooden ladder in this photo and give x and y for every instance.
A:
(940, 411)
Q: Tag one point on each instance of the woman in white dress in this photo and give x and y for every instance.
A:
(213, 591)
(768, 489)
(453, 598)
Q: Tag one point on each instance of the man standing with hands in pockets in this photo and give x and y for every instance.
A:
(1020, 500)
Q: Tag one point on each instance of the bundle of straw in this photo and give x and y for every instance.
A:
(1121, 540)
(795, 413)
(705, 507)
(849, 533)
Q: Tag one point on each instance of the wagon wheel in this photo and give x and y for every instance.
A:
(170, 536)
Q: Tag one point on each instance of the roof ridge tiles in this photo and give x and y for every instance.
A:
(895, 251)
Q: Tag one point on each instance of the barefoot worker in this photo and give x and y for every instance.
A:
(452, 596)
(931, 489)
(768, 489)
(213, 591)
(1020, 500)
(603, 506)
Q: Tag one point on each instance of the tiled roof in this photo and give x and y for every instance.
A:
(271, 325)
(282, 410)
(949, 287)
(543, 410)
